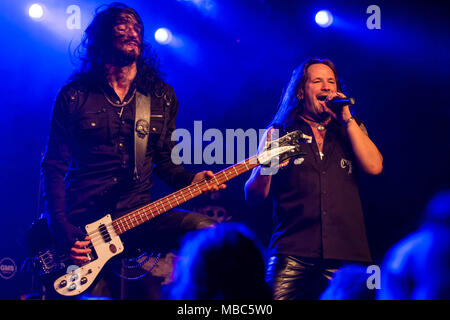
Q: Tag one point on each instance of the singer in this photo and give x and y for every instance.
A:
(319, 224)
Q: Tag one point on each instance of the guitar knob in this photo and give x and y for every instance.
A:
(83, 280)
(63, 283)
(73, 278)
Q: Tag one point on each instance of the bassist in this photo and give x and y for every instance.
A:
(91, 166)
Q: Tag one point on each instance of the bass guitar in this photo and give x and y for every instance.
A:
(105, 232)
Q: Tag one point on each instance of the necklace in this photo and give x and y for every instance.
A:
(320, 125)
(120, 105)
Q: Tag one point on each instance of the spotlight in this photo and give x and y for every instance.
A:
(36, 11)
(163, 36)
(324, 18)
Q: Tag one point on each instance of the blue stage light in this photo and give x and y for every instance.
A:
(163, 36)
(36, 11)
(324, 18)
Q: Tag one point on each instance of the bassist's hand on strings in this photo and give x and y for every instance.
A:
(79, 252)
(208, 175)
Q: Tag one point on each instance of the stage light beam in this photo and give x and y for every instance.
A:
(163, 36)
(36, 11)
(324, 18)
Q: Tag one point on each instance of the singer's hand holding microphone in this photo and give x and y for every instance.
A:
(338, 106)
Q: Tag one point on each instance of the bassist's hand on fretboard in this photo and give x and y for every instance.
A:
(208, 175)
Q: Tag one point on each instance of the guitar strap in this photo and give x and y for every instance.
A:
(142, 129)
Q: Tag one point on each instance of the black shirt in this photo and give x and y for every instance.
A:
(88, 165)
(317, 208)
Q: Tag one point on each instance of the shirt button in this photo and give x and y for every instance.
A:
(324, 172)
(120, 145)
(153, 129)
(324, 213)
(114, 179)
(123, 121)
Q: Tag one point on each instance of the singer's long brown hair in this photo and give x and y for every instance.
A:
(290, 104)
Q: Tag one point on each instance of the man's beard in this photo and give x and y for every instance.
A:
(120, 57)
(123, 59)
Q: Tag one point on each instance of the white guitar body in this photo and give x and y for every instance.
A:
(106, 244)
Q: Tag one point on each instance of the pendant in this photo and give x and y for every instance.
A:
(320, 127)
(120, 113)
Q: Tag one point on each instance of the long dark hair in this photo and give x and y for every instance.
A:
(98, 36)
(290, 104)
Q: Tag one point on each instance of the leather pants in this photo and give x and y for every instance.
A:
(299, 278)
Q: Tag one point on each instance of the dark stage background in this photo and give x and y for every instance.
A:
(228, 66)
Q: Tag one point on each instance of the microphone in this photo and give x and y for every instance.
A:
(338, 103)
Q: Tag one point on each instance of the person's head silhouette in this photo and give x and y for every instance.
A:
(224, 262)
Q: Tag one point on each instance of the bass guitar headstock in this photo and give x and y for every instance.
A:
(283, 148)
